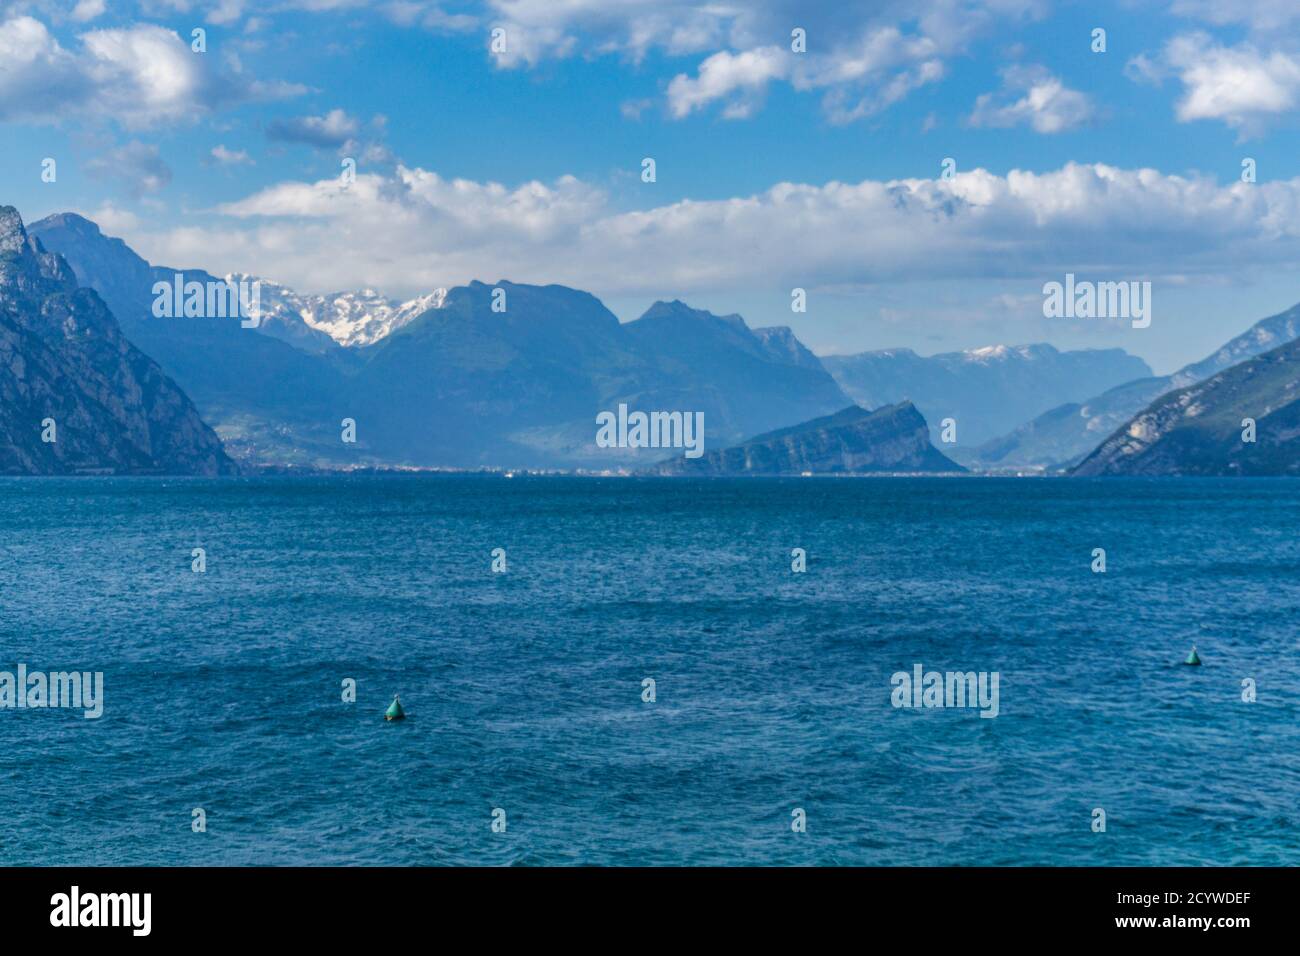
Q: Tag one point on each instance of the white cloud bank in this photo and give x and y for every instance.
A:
(415, 230)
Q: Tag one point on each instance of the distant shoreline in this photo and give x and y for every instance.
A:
(505, 474)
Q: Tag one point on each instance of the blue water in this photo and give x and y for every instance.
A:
(223, 689)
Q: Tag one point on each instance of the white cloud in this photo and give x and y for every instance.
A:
(414, 230)
(87, 10)
(143, 73)
(222, 12)
(723, 74)
(1044, 102)
(231, 157)
(1260, 15)
(1239, 85)
(864, 57)
(330, 131)
(539, 29)
(861, 77)
(114, 220)
(431, 16)
(226, 11)
(140, 75)
(139, 167)
(841, 110)
(1146, 69)
(632, 109)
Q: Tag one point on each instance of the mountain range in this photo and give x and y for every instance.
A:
(460, 384)
(986, 391)
(1244, 420)
(270, 402)
(514, 376)
(1064, 435)
(76, 395)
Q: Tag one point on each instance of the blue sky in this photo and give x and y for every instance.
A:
(526, 163)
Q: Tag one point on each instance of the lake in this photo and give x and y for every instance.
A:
(528, 690)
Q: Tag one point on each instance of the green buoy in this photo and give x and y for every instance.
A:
(395, 712)
(1192, 658)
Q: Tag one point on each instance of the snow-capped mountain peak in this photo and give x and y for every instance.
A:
(1003, 353)
(351, 319)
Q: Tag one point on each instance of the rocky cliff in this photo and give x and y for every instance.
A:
(852, 441)
(75, 395)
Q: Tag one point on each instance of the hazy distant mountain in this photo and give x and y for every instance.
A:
(1199, 429)
(464, 384)
(781, 342)
(1263, 336)
(745, 381)
(446, 380)
(68, 373)
(853, 440)
(988, 390)
(1066, 434)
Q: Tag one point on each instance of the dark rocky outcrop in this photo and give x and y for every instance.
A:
(893, 439)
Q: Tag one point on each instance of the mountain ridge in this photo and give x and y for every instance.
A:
(1063, 436)
(986, 391)
(75, 395)
(891, 439)
(514, 375)
(462, 384)
(1199, 429)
